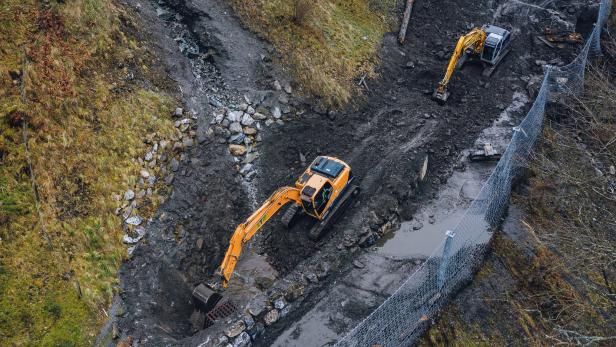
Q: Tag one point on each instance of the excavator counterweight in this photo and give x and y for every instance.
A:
(489, 43)
(321, 192)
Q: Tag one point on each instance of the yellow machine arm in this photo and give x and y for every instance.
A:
(473, 40)
(245, 231)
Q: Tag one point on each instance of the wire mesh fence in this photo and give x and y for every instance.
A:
(405, 315)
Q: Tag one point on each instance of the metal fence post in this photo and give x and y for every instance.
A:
(445, 259)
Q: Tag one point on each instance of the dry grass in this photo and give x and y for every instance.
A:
(73, 123)
(326, 44)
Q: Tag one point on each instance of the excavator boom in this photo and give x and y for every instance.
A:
(245, 231)
(472, 41)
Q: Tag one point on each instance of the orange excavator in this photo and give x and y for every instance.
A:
(489, 43)
(321, 192)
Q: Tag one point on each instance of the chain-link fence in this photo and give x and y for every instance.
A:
(404, 316)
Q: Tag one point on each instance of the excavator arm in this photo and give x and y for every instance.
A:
(245, 231)
(474, 41)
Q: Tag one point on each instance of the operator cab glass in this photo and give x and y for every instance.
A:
(313, 202)
(322, 197)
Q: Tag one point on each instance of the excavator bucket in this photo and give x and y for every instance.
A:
(205, 299)
(439, 96)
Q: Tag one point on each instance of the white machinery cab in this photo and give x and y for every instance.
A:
(496, 43)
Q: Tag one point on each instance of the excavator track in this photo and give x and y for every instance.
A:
(320, 228)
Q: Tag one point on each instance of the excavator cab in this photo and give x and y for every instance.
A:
(496, 44)
(318, 182)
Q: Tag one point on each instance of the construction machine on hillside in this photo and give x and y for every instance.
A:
(489, 43)
(321, 192)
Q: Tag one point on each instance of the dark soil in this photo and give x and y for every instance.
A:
(384, 135)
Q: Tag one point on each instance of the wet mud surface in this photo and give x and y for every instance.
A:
(385, 135)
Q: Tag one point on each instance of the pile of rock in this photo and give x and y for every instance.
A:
(240, 127)
(159, 161)
(244, 327)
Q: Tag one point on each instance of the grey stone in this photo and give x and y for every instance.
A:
(256, 331)
(243, 106)
(288, 89)
(250, 110)
(243, 340)
(235, 116)
(358, 264)
(148, 156)
(612, 170)
(237, 139)
(312, 277)
(257, 305)
(175, 164)
(271, 317)
(115, 331)
(250, 157)
(250, 175)
(283, 99)
(276, 113)
(218, 117)
(259, 116)
(277, 85)
(248, 321)
(164, 14)
(151, 180)
(235, 329)
(178, 112)
(214, 101)
(247, 119)
(235, 127)
(245, 169)
(169, 179)
(129, 195)
(187, 142)
(295, 291)
(134, 220)
(144, 173)
(130, 240)
(269, 122)
(279, 303)
(367, 240)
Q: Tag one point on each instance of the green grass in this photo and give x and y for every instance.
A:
(85, 126)
(329, 46)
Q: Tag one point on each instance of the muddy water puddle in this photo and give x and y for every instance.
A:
(419, 237)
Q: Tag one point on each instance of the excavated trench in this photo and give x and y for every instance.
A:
(385, 135)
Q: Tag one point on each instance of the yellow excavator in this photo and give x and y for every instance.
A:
(321, 192)
(489, 43)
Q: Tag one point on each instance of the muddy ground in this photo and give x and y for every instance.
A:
(385, 135)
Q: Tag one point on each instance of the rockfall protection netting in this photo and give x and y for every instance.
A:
(404, 316)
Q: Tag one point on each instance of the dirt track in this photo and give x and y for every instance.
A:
(384, 135)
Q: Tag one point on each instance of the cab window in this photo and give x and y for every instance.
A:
(322, 197)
